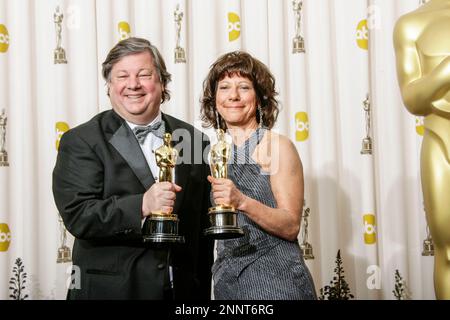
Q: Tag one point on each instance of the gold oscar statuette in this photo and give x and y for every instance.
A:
(59, 54)
(162, 227)
(305, 246)
(180, 55)
(223, 217)
(367, 141)
(422, 51)
(3, 154)
(298, 43)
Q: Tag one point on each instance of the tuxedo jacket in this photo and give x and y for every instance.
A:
(99, 181)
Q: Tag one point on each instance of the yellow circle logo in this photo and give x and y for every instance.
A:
(4, 38)
(301, 126)
(370, 235)
(124, 30)
(234, 26)
(61, 128)
(420, 128)
(362, 35)
(5, 237)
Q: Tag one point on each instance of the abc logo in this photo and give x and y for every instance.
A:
(4, 38)
(234, 26)
(301, 126)
(370, 235)
(61, 128)
(362, 35)
(420, 129)
(5, 237)
(124, 30)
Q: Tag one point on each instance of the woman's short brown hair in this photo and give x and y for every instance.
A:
(242, 64)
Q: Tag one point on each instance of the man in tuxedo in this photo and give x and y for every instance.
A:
(104, 185)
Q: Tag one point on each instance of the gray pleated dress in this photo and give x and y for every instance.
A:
(258, 266)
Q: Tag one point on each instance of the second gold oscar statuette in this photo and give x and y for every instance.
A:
(223, 217)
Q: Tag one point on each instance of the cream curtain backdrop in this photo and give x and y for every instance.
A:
(368, 206)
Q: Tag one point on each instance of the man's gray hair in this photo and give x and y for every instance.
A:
(135, 45)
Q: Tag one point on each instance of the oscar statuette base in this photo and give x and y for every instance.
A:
(180, 55)
(307, 251)
(428, 248)
(4, 159)
(162, 228)
(59, 56)
(64, 255)
(223, 221)
(366, 146)
(298, 45)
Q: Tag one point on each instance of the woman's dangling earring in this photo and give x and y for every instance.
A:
(260, 116)
(217, 120)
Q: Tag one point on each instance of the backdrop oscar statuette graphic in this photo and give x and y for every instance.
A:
(367, 141)
(59, 54)
(370, 235)
(301, 126)
(64, 255)
(5, 237)
(124, 30)
(428, 246)
(305, 246)
(234, 26)
(180, 54)
(3, 153)
(4, 38)
(222, 217)
(162, 226)
(298, 43)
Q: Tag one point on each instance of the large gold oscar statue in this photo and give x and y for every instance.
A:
(422, 47)
(161, 226)
(166, 157)
(223, 217)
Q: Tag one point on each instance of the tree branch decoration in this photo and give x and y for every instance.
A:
(17, 282)
(338, 288)
(401, 290)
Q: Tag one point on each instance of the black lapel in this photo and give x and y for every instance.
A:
(127, 145)
(182, 171)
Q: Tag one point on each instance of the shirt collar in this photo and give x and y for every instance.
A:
(157, 118)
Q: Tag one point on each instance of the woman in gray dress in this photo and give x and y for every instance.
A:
(265, 185)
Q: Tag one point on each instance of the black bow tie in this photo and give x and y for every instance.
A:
(158, 129)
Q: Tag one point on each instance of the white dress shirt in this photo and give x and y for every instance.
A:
(150, 144)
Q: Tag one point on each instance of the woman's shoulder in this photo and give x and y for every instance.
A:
(278, 140)
(278, 151)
